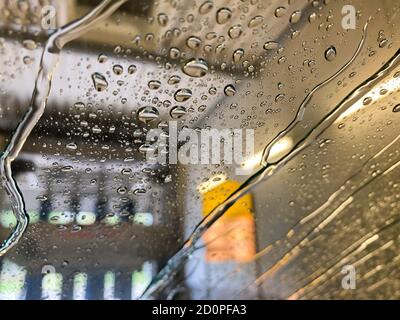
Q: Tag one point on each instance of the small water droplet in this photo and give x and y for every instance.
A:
(230, 90)
(174, 53)
(71, 146)
(29, 44)
(330, 53)
(102, 58)
(118, 69)
(162, 19)
(154, 84)
(367, 101)
(196, 68)
(174, 80)
(271, 45)
(139, 191)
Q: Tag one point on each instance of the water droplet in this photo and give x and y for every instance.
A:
(235, 31)
(118, 69)
(147, 114)
(126, 171)
(230, 90)
(330, 53)
(99, 81)
(102, 58)
(295, 17)
(178, 112)
(79, 105)
(183, 95)
(139, 191)
(367, 101)
(255, 21)
(154, 84)
(162, 19)
(27, 60)
(196, 68)
(132, 69)
(174, 53)
(193, 42)
(223, 15)
(122, 190)
(280, 11)
(174, 79)
(29, 44)
(271, 45)
(71, 146)
(396, 108)
(279, 97)
(383, 43)
(206, 7)
(237, 55)
(312, 17)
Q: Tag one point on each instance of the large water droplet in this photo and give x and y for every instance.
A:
(295, 17)
(196, 68)
(178, 112)
(206, 7)
(118, 69)
(396, 108)
(280, 11)
(193, 42)
(330, 53)
(223, 15)
(235, 31)
(132, 69)
(183, 95)
(154, 84)
(147, 114)
(255, 21)
(99, 81)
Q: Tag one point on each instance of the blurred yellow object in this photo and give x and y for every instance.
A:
(232, 237)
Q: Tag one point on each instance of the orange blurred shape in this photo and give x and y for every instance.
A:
(232, 237)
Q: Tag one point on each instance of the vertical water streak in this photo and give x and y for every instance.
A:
(48, 63)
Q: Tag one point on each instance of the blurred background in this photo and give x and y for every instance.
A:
(103, 221)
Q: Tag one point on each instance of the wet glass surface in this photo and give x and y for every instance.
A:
(308, 205)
